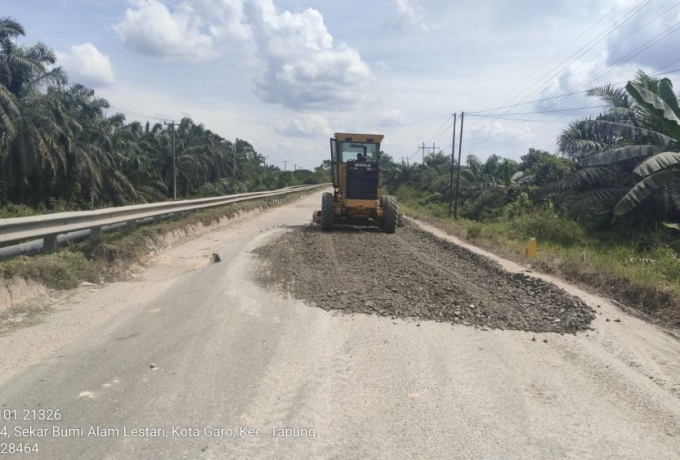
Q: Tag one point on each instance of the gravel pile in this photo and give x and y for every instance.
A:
(414, 274)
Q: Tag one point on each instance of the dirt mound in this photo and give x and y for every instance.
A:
(414, 274)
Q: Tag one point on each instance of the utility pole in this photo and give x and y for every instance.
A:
(295, 167)
(453, 156)
(423, 148)
(285, 162)
(460, 148)
(174, 169)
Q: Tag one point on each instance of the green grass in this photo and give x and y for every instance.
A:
(16, 210)
(640, 271)
(61, 270)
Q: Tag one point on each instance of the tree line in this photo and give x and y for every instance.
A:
(60, 150)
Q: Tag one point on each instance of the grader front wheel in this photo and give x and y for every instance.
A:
(390, 214)
(327, 204)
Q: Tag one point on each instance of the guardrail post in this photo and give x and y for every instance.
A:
(49, 243)
(95, 234)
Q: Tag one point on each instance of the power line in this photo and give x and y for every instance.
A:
(576, 56)
(560, 52)
(524, 134)
(571, 109)
(649, 43)
(516, 119)
(653, 41)
(557, 119)
(431, 137)
(560, 96)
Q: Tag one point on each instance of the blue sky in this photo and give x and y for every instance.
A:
(286, 74)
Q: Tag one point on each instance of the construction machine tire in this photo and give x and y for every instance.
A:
(390, 214)
(327, 204)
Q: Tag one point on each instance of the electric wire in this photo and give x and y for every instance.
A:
(560, 96)
(649, 43)
(560, 67)
(559, 52)
(555, 120)
(444, 125)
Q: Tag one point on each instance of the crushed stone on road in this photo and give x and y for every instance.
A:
(414, 274)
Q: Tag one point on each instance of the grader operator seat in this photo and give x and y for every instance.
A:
(357, 196)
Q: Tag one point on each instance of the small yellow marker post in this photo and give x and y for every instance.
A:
(530, 250)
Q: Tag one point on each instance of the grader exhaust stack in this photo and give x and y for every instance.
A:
(357, 197)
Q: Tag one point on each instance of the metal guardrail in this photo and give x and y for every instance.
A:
(49, 226)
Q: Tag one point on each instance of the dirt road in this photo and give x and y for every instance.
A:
(195, 359)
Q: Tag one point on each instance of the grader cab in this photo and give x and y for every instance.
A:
(357, 197)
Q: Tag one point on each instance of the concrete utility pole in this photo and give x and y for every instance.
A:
(295, 167)
(285, 162)
(453, 156)
(460, 148)
(172, 125)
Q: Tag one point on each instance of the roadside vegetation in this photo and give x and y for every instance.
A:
(604, 209)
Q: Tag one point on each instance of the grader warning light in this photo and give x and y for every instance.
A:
(357, 197)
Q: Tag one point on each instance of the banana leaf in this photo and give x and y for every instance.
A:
(657, 106)
(620, 154)
(632, 133)
(658, 162)
(643, 189)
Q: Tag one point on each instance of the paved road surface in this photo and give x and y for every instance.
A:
(191, 347)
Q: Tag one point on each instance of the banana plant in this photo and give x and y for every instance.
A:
(662, 168)
(658, 153)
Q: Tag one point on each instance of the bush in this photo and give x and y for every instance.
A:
(486, 205)
(17, 210)
(473, 231)
(548, 227)
(207, 190)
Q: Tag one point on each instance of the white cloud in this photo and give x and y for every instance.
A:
(391, 118)
(225, 19)
(300, 66)
(297, 63)
(85, 64)
(151, 28)
(304, 125)
(408, 15)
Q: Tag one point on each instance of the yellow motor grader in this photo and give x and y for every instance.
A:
(357, 197)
